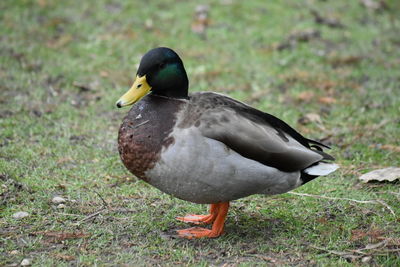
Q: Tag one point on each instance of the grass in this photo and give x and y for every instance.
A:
(64, 64)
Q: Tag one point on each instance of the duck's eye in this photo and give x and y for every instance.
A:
(161, 65)
(139, 85)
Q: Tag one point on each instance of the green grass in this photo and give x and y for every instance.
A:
(56, 139)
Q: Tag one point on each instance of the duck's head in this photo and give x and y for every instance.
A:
(161, 72)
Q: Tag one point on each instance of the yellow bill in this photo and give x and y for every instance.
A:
(138, 90)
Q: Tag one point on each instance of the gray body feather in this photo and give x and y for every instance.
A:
(225, 150)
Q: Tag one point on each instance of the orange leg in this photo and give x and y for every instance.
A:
(217, 227)
(201, 219)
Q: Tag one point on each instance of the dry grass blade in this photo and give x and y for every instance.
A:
(375, 201)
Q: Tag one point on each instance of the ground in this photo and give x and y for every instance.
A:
(328, 68)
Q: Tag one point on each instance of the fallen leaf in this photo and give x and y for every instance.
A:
(373, 234)
(348, 60)
(382, 175)
(60, 41)
(357, 234)
(328, 21)
(310, 117)
(60, 236)
(304, 35)
(200, 21)
(326, 100)
(104, 73)
(257, 96)
(64, 160)
(391, 148)
(325, 85)
(322, 220)
(42, 3)
(296, 37)
(82, 87)
(306, 96)
(374, 5)
(64, 257)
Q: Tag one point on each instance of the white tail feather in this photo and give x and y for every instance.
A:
(322, 168)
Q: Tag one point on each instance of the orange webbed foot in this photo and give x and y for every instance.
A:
(197, 232)
(201, 219)
(196, 219)
(217, 215)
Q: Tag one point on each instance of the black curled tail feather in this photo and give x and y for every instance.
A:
(305, 178)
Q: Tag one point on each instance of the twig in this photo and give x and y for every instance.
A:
(344, 254)
(386, 206)
(82, 87)
(105, 204)
(122, 210)
(91, 216)
(69, 214)
(347, 199)
(107, 210)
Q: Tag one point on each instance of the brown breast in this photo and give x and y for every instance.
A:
(144, 132)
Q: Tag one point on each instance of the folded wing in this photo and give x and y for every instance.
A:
(254, 134)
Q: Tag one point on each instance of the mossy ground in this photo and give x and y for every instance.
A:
(65, 63)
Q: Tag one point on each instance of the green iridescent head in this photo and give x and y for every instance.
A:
(161, 72)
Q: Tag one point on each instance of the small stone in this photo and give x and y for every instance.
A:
(25, 262)
(366, 259)
(58, 200)
(20, 215)
(14, 252)
(61, 206)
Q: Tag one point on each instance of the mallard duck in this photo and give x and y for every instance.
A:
(206, 147)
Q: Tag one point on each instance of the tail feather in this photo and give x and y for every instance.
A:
(320, 169)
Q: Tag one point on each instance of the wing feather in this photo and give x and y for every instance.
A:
(252, 133)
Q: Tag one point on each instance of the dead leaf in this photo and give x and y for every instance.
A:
(348, 60)
(304, 35)
(82, 87)
(357, 234)
(104, 73)
(306, 96)
(382, 175)
(374, 5)
(42, 3)
(310, 117)
(64, 160)
(325, 84)
(297, 37)
(391, 148)
(257, 96)
(60, 41)
(64, 257)
(201, 20)
(326, 100)
(328, 21)
(61, 236)
(373, 234)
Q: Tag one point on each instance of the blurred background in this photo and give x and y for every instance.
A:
(331, 69)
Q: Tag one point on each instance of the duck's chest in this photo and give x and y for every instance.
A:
(145, 132)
